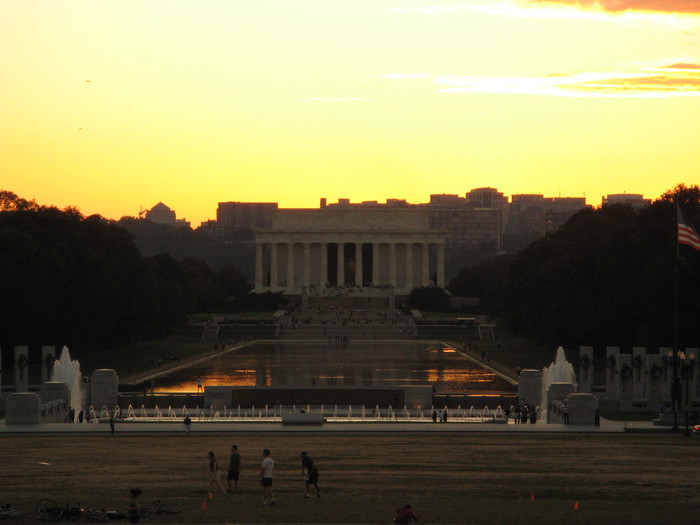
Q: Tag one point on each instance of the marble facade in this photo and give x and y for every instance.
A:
(307, 249)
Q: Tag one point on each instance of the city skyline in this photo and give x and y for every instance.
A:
(115, 106)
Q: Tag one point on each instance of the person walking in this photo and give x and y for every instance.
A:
(311, 474)
(111, 425)
(267, 467)
(187, 422)
(134, 507)
(214, 474)
(234, 468)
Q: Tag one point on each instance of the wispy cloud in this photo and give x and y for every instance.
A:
(660, 82)
(616, 6)
(331, 99)
(679, 79)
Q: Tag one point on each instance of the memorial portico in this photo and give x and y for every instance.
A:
(311, 249)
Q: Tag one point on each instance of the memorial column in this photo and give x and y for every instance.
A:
(426, 264)
(409, 266)
(290, 264)
(258, 266)
(392, 264)
(307, 264)
(358, 264)
(273, 266)
(441, 265)
(324, 265)
(341, 264)
(375, 264)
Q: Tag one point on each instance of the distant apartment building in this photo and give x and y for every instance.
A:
(232, 216)
(537, 215)
(635, 200)
(162, 214)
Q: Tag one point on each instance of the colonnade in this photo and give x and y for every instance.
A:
(293, 265)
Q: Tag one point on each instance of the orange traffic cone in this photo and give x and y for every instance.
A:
(204, 504)
(532, 496)
(576, 506)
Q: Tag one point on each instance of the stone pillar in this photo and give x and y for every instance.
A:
(53, 390)
(441, 265)
(274, 281)
(654, 381)
(375, 264)
(392, 264)
(307, 264)
(104, 389)
(582, 408)
(324, 265)
(426, 264)
(639, 375)
(290, 265)
(665, 352)
(22, 409)
(585, 370)
(358, 264)
(21, 369)
(258, 266)
(693, 386)
(626, 376)
(612, 376)
(0, 371)
(409, 266)
(341, 264)
(530, 387)
(48, 358)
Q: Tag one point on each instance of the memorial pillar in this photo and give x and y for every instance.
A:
(440, 265)
(0, 369)
(307, 264)
(21, 369)
(258, 266)
(324, 265)
(48, 358)
(392, 264)
(375, 264)
(426, 264)
(358, 264)
(341, 264)
(409, 267)
(273, 266)
(585, 370)
(290, 265)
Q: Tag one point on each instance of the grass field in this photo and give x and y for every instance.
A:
(467, 479)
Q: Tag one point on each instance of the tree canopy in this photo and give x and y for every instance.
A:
(605, 278)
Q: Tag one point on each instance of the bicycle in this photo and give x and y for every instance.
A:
(7, 511)
(163, 508)
(48, 510)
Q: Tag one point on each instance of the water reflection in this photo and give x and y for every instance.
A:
(308, 364)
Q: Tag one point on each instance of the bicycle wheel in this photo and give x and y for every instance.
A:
(48, 509)
(97, 515)
(169, 509)
(12, 513)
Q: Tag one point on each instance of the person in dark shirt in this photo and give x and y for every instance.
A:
(310, 471)
(234, 467)
(405, 515)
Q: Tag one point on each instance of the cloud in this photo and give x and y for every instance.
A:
(332, 99)
(676, 80)
(617, 6)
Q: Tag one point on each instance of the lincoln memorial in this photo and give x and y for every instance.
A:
(307, 250)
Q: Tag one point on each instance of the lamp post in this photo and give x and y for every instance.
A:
(687, 365)
(674, 359)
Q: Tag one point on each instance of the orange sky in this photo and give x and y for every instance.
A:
(113, 105)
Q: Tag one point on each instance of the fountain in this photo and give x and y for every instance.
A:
(67, 371)
(560, 372)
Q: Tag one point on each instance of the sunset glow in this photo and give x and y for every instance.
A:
(114, 106)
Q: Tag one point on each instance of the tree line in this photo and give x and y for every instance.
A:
(606, 278)
(82, 281)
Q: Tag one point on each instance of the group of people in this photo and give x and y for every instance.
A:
(267, 467)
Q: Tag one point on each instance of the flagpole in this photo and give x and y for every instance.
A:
(676, 385)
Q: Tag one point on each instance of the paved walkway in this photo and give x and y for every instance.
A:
(606, 427)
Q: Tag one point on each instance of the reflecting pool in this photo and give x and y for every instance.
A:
(357, 364)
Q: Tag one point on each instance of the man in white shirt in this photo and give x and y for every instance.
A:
(268, 465)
